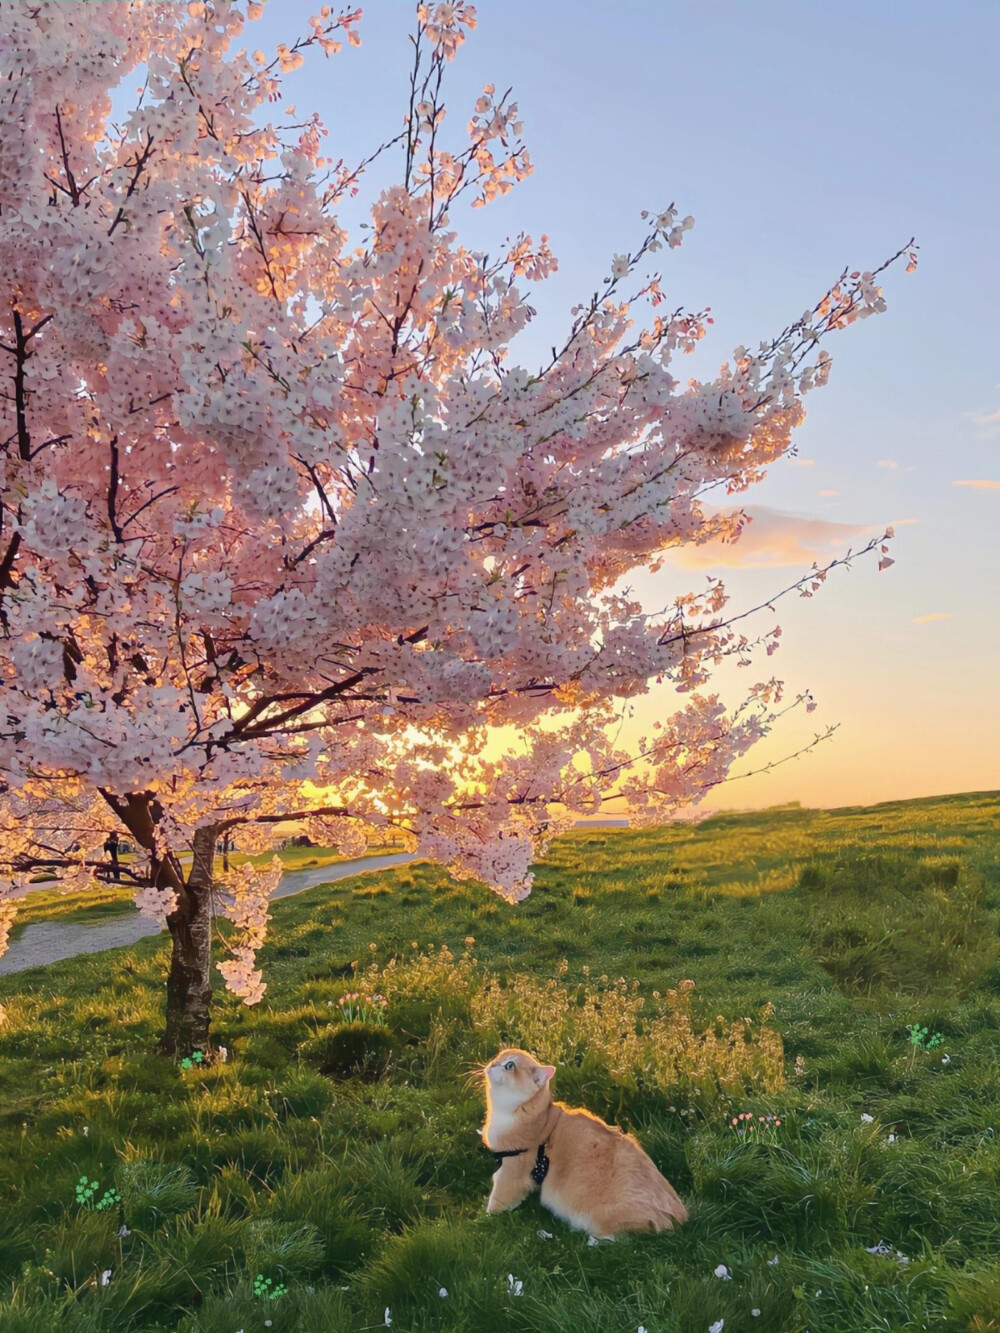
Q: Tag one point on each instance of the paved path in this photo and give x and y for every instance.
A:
(49, 941)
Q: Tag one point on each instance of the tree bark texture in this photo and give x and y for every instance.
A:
(189, 984)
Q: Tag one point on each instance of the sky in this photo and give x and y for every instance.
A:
(803, 137)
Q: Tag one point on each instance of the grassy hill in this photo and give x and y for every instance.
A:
(846, 976)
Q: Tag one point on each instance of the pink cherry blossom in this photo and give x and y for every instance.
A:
(286, 533)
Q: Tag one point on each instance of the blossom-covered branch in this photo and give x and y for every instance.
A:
(286, 532)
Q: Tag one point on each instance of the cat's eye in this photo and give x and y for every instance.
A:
(510, 1065)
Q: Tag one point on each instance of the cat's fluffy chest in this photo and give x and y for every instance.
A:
(500, 1125)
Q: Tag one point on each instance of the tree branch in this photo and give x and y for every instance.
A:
(140, 164)
(113, 491)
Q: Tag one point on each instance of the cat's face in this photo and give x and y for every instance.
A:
(514, 1077)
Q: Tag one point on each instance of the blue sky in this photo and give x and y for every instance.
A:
(803, 137)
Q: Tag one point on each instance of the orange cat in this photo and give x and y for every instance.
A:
(592, 1176)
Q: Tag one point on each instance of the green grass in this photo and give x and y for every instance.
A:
(103, 903)
(307, 858)
(363, 1188)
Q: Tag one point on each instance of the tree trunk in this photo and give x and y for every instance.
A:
(189, 983)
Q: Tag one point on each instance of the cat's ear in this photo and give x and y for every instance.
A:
(542, 1074)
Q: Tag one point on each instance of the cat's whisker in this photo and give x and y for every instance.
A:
(475, 1075)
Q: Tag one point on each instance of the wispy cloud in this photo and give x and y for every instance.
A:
(774, 539)
(887, 462)
(979, 484)
(987, 423)
(802, 462)
(827, 492)
(934, 615)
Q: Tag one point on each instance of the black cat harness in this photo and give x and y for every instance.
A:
(541, 1168)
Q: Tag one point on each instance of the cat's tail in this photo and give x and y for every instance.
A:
(669, 1209)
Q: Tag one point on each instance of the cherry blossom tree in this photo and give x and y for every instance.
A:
(286, 532)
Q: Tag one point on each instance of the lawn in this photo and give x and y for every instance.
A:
(846, 981)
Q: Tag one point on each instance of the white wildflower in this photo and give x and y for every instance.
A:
(514, 1285)
(387, 1317)
(755, 1312)
(723, 1272)
(442, 1292)
(105, 1277)
(884, 1251)
(866, 1119)
(717, 1327)
(773, 1261)
(545, 1235)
